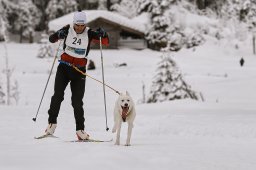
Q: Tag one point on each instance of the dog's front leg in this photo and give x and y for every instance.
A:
(118, 133)
(130, 126)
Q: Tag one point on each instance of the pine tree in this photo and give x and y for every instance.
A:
(1, 23)
(242, 10)
(58, 8)
(9, 12)
(168, 83)
(11, 89)
(102, 4)
(165, 31)
(240, 17)
(248, 13)
(41, 6)
(22, 17)
(2, 38)
(159, 27)
(127, 8)
(27, 20)
(45, 49)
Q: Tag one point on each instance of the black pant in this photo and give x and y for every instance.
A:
(64, 75)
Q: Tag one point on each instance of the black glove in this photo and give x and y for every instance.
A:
(101, 32)
(62, 34)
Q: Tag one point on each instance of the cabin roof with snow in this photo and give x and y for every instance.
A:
(92, 15)
(112, 22)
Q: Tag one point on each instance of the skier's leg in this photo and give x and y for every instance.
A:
(77, 86)
(61, 82)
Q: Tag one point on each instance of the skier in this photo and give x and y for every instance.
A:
(77, 39)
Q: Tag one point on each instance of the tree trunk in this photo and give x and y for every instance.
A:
(42, 5)
(108, 5)
(253, 44)
(200, 4)
(21, 37)
(31, 39)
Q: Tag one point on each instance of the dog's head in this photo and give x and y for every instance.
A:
(125, 104)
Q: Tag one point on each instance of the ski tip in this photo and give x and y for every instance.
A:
(45, 136)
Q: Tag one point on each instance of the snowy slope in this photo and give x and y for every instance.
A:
(218, 134)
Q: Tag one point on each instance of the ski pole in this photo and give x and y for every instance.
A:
(34, 119)
(103, 80)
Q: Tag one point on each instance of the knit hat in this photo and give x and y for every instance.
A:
(79, 18)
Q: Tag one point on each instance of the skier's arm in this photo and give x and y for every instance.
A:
(95, 36)
(60, 34)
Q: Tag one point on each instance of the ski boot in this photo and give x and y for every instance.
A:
(50, 129)
(82, 135)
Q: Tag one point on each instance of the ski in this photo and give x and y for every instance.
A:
(45, 136)
(91, 140)
(87, 140)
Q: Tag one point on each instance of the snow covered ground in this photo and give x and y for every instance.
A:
(218, 134)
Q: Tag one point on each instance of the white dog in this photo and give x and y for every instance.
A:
(124, 111)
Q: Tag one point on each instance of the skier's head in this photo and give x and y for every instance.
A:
(79, 18)
(79, 21)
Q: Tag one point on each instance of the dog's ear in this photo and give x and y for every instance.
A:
(127, 93)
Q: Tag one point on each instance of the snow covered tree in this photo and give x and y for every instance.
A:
(1, 23)
(41, 6)
(106, 4)
(11, 89)
(127, 8)
(9, 11)
(102, 5)
(2, 38)
(45, 49)
(22, 18)
(168, 83)
(247, 12)
(159, 27)
(166, 30)
(239, 17)
(203, 4)
(58, 8)
(242, 10)
(27, 20)
(216, 5)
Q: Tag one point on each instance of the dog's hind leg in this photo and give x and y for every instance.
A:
(118, 133)
(130, 126)
(114, 128)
